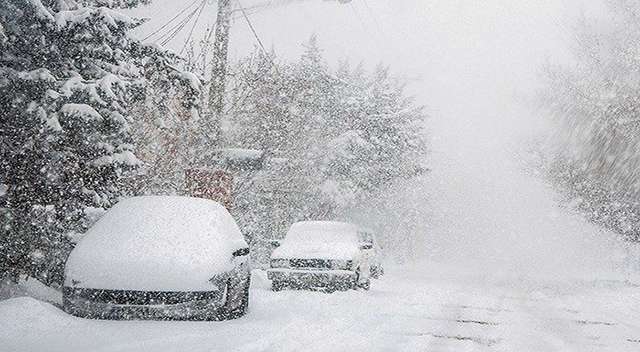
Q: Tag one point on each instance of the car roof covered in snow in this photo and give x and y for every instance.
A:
(320, 240)
(159, 243)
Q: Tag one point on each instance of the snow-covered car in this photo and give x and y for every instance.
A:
(160, 257)
(320, 254)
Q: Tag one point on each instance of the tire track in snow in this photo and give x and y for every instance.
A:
(595, 315)
(548, 325)
(463, 328)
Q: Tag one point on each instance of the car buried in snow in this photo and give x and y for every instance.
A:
(326, 255)
(161, 258)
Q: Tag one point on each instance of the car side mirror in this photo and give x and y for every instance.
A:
(366, 246)
(241, 252)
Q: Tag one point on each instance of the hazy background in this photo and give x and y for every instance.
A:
(475, 65)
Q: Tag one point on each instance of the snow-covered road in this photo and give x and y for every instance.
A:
(406, 311)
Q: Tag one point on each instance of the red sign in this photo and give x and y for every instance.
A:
(215, 185)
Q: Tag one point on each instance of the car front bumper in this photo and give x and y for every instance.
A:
(301, 278)
(136, 305)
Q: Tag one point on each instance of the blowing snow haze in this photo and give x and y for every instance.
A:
(476, 66)
(377, 175)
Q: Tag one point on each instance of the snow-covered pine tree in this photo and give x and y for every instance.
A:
(343, 135)
(69, 75)
(261, 104)
(376, 136)
(168, 133)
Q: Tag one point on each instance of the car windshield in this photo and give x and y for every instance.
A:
(322, 232)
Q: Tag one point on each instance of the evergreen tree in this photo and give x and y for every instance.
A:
(338, 137)
(168, 132)
(69, 76)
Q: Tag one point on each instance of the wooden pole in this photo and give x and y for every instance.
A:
(219, 68)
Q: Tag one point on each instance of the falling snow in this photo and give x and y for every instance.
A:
(398, 175)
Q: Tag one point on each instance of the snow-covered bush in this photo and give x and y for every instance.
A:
(69, 77)
(596, 103)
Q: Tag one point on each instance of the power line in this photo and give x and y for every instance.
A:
(178, 28)
(171, 20)
(202, 55)
(204, 3)
(255, 35)
(173, 29)
(207, 44)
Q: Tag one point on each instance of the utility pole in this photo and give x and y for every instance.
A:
(219, 68)
(216, 185)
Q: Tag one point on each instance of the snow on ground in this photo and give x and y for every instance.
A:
(407, 310)
(29, 287)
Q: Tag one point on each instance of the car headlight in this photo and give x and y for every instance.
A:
(341, 264)
(279, 263)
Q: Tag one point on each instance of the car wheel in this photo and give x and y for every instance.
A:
(366, 285)
(232, 310)
(344, 286)
(242, 309)
(377, 271)
(331, 288)
(363, 284)
(277, 285)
